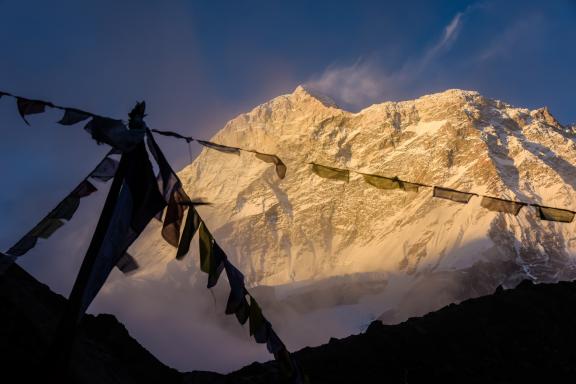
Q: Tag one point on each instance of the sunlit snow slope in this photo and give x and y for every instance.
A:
(325, 244)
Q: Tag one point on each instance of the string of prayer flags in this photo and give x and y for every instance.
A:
(114, 133)
(331, 173)
(268, 158)
(555, 214)
(51, 222)
(30, 107)
(220, 147)
(488, 202)
(213, 261)
(102, 129)
(280, 166)
(501, 205)
(452, 194)
(73, 116)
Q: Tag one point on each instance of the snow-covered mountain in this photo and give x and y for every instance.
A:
(325, 244)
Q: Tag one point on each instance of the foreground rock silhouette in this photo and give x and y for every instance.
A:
(526, 334)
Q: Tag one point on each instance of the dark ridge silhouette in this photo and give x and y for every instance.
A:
(104, 352)
(521, 335)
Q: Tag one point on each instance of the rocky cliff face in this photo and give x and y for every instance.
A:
(394, 254)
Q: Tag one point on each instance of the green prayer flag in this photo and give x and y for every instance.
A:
(501, 205)
(382, 182)
(190, 227)
(451, 194)
(555, 214)
(206, 248)
(216, 264)
(331, 173)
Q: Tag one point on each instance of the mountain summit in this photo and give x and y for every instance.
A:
(385, 245)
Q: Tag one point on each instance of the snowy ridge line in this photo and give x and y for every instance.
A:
(489, 202)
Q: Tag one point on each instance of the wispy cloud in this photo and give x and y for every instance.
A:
(355, 85)
(451, 31)
(366, 81)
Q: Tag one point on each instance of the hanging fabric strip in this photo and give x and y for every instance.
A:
(190, 228)
(30, 107)
(501, 205)
(280, 166)
(206, 242)
(237, 288)
(46, 228)
(220, 147)
(105, 170)
(331, 173)
(555, 214)
(127, 263)
(216, 265)
(259, 326)
(114, 133)
(382, 182)
(451, 194)
(73, 116)
(174, 216)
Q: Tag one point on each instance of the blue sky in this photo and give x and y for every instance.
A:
(200, 63)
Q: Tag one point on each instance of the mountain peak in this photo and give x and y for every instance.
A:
(305, 235)
(305, 91)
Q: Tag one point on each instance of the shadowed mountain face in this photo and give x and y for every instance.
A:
(526, 334)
